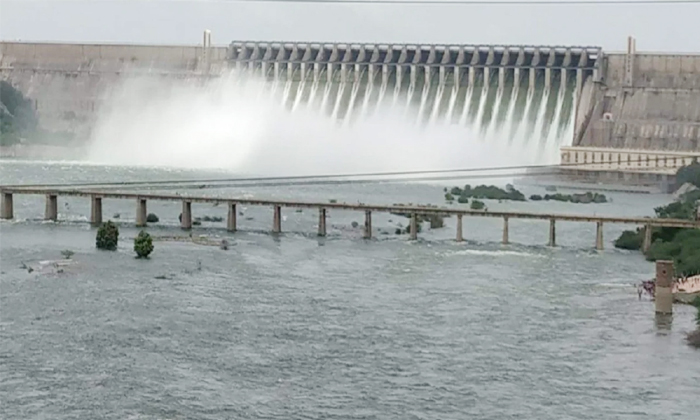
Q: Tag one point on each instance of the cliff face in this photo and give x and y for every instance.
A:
(645, 101)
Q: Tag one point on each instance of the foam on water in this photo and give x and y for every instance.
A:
(498, 253)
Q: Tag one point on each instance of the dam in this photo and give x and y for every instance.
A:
(626, 117)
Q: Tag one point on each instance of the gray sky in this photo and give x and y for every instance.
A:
(669, 28)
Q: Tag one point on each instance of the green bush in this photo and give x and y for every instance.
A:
(435, 220)
(143, 244)
(477, 205)
(107, 236)
(683, 247)
(631, 240)
(690, 173)
(152, 218)
(449, 197)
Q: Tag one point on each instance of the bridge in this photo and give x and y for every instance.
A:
(141, 199)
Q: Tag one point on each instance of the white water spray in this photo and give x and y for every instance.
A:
(246, 128)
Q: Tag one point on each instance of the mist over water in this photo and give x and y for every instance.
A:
(249, 125)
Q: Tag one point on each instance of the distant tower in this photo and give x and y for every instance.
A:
(630, 61)
(206, 51)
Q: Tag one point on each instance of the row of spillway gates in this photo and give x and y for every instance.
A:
(635, 116)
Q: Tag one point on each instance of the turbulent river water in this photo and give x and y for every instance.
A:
(297, 327)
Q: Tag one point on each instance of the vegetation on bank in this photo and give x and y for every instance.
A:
(18, 119)
(680, 245)
(689, 174)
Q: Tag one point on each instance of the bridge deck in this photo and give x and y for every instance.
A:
(422, 210)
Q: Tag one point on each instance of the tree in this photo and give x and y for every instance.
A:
(688, 174)
(143, 244)
(107, 236)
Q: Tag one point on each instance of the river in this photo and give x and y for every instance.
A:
(300, 327)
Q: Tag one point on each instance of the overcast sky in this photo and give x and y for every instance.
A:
(667, 27)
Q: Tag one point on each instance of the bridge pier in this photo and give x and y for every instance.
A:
(6, 207)
(51, 210)
(646, 244)
(277, 220)
(95, 210)
(186, 219)
(141, 212)
(368, 225)
(231, 220)
(414, 227)
(552, 233)
(663, 294)
(599, 236)
(322, 222)
(460, 236)
(505, 231)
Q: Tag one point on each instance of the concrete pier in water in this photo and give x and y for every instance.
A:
(322, 222)
(460, 233)
(414, 227)
(368, 224)
(231, 220)
(599, 236)
(552, 232)
(6, 206)
(277, 220)
(96, 210)
(51, 210)
(646, 242)
(663, 296)
(186, 218)
(141, 212)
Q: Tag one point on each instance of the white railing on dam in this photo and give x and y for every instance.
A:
(625, 160)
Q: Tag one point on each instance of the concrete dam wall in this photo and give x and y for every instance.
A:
(510, 91)
(544, 97)
(644, 102)
(68, 82)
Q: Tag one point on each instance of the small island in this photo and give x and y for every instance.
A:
(492, 192)
(585, 198)
(481, 192)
